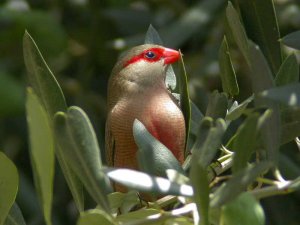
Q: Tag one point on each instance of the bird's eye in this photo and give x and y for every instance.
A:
(150, 55)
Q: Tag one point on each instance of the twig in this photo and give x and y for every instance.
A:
(278, 189)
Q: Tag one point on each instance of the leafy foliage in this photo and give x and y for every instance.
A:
(233, 159)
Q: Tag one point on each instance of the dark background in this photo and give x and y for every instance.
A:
(81, 40)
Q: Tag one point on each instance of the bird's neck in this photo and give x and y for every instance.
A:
(128, 89)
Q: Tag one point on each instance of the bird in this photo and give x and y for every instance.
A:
(137, 90)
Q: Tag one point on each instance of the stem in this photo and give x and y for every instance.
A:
(266, 181)
(278, 175)
(218, 168)
(278, 189)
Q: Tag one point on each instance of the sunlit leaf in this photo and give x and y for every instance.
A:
(41, 152)
(9, 180)
(176, 177)
(75, 135)
(245, 209)
(145, 183)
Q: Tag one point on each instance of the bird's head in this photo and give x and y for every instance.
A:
(144, 65)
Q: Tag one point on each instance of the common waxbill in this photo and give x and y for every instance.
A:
(137, 90)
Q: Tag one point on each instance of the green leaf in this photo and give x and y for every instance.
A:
(288, 72)
(145, 183)
(292, 40)
(42, 79)
(290, 131)
(123, 202)
(115, 200)
(51, 97)
(196, 118)
(95, 217)
(209, 140)
(178, 221)
(41, 152)
(237, 30)
(262, 79)
(152, 36)
(261, 26)
(238, 183)
(217, 105)
(236, 110)
(15, 216)
(201, 136)
(176, 177)
(9, 180)
(170, 80)
(75, 185)
(290, 118)
(288, 94)
(244, 143)
(228, 77)
(202, 133)
(199, 180)
(245, 209)
(153, 157)
(141, 216)
(76, 137)
(184, 96)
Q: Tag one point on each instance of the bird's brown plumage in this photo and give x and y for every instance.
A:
(137, 90)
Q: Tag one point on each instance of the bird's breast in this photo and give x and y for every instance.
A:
(162, 118)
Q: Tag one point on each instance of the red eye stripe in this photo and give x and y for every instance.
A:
(158, 55)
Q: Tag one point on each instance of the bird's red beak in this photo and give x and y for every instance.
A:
(170, 55)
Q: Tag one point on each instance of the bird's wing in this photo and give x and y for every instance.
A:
(109, 143)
